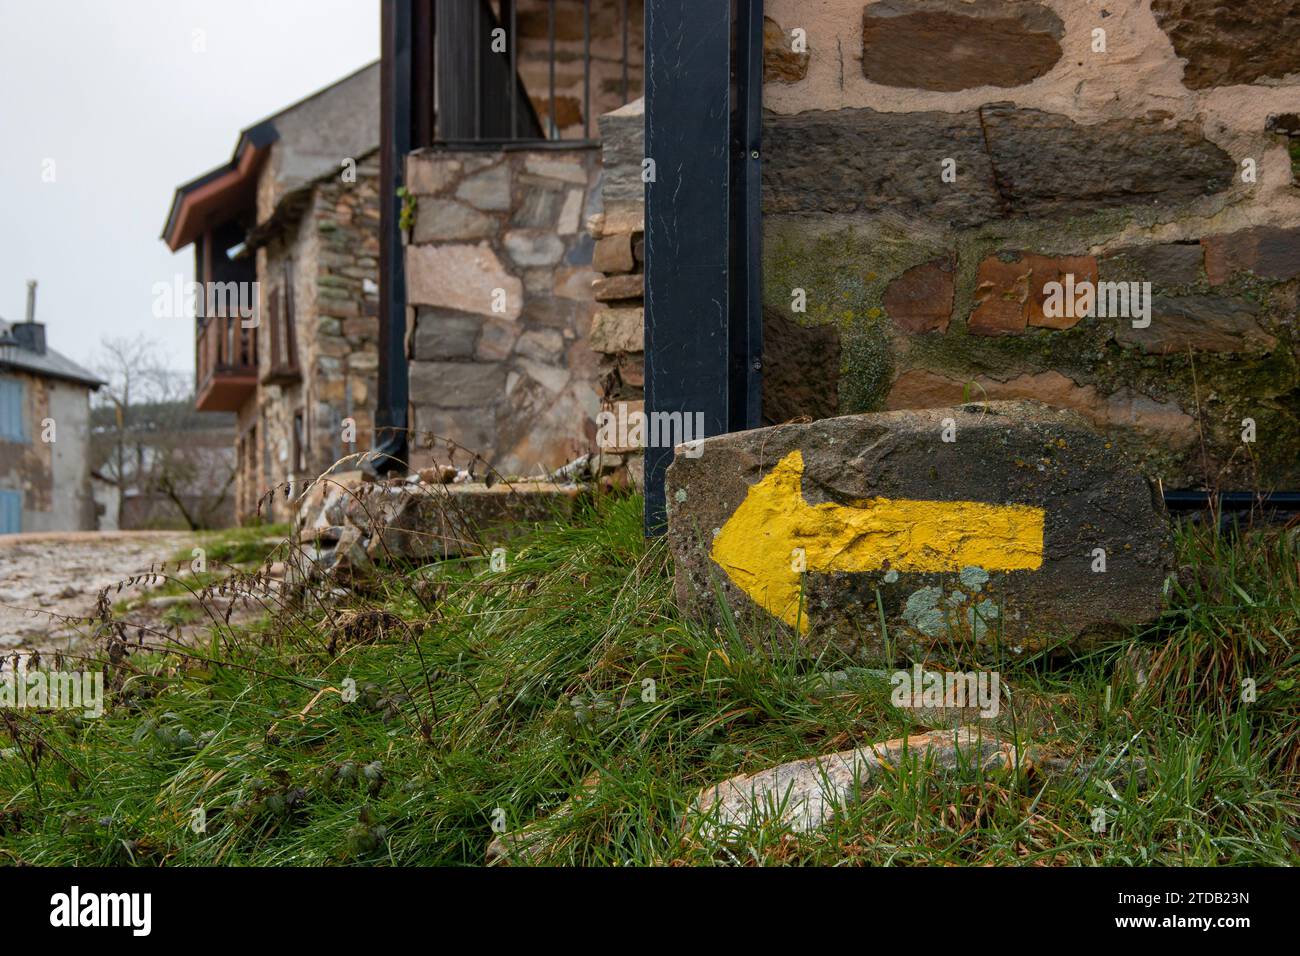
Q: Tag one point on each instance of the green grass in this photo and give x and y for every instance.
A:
(224, 552)
(482, 693)
(247, 545)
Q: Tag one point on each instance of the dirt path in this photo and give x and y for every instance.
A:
(62, 573)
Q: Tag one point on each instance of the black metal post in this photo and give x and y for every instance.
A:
(424, 107)
(687, 135)
(586, 69)
(1232, 500)
(747, 220)
(550, 55)
(396, 123)
(510, 14)
(478, 59)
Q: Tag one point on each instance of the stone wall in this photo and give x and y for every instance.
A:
(930, 166)
(499, 285)
(327, 250)
(618, 327)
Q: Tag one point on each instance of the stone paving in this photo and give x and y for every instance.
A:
(61, 574)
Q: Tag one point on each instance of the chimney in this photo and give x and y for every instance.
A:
(30, 335)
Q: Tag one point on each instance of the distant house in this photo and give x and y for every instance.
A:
(290, 227)
(44, 432)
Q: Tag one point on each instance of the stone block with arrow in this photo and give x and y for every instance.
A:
(1001, 523)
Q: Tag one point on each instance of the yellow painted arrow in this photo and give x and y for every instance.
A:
(758, 547)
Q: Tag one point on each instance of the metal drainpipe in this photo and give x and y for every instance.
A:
(1234, 506)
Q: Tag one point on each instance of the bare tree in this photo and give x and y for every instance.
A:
(132, 369)
(148, 439)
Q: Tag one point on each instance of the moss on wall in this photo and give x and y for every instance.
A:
(845, 269)
(843, 274)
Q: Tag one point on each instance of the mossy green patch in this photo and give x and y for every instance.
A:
(844, 274)
(844, 269)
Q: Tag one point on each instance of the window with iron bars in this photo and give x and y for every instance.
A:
(495, 79)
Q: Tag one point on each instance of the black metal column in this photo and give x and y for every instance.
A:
(687, 135)
(703, 332)
(746, 219)
(395, 125)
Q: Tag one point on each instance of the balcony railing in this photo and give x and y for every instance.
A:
(225, 364)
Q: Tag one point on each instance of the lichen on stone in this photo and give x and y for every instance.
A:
(979, 616)
(923, 613)
(973, 577)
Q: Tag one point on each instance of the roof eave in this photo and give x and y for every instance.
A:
(225, 184)
(94, 384)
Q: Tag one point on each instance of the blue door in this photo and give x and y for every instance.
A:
(11, 511)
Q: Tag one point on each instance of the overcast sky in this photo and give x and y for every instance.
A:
(115, 93)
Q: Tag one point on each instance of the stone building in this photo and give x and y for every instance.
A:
(501, 364)
(504, 360)
(292, 222)
(929, 171)
(44, 432)
(932, 168)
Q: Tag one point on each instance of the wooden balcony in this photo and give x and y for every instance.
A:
(225, 364)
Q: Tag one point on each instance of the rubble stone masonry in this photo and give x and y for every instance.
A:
(931, 167)
(499, 285)
(618, 327)
(322, 269)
